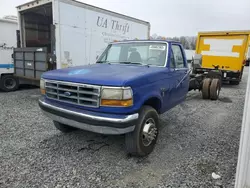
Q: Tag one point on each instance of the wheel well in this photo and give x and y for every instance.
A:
(4, 74)
(154, 102)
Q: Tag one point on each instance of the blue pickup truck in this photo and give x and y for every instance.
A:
(124, 92)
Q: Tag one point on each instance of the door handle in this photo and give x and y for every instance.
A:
(163, 89)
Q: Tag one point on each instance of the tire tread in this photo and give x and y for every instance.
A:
(213, 89)
(206, 88)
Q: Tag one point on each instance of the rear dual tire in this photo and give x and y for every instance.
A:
(215, 89)
(206, 88)
(211, 88)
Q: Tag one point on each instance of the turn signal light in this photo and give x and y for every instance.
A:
(42, 91)
(121, 103)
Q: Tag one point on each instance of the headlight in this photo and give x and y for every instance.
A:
(112, 96)
(42, 86)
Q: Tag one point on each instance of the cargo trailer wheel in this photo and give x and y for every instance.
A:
(63, 128)
(206, 88)
(9, 83)
(215, 89)
(142, 140)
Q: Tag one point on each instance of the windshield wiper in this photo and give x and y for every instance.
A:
(134, 63)
(128, 62)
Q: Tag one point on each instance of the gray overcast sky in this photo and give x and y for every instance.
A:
(172, 17)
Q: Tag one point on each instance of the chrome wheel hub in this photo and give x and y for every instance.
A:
(149, 132)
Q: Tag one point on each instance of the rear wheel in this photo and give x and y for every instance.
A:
(142, 140)
(9, 83)
(206, 88)
(63, 128)
(215, 89)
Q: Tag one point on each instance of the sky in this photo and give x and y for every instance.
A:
(171, 18)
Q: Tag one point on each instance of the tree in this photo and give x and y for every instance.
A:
(193, 43)
(188, 42)
(184, 41)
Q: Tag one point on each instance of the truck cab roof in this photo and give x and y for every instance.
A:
(146, 40)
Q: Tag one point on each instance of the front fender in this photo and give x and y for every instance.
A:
(143, 97)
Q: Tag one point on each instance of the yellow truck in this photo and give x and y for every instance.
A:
(224, 50)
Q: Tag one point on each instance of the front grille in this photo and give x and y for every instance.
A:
(80, 94)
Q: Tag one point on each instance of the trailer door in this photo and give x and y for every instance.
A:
(30, 63)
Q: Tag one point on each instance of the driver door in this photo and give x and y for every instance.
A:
(181, 74)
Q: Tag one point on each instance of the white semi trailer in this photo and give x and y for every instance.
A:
(57, 34)
(243, 165)
(8, 28)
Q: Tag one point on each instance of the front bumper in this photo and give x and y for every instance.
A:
(90, 121)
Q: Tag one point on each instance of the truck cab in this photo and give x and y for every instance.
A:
(124, 92)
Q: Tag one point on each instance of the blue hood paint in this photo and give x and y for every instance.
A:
(108, 74)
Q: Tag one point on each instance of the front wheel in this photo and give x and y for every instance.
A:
(142, 140)
(9, 83)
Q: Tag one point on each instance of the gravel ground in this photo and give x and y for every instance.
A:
(197, 138)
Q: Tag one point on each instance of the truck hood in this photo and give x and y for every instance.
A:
(103, 74)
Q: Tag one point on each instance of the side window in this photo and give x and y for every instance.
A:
(179, 61)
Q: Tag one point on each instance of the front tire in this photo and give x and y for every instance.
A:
(142, 140)
(9, 83)
(63, 128)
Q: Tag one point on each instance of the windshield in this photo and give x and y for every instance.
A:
(142, 53)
